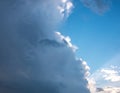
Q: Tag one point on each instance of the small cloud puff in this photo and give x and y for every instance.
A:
(65, 8)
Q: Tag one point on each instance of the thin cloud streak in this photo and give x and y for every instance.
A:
(98, 6)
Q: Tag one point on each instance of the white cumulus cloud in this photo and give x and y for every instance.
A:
(106, 79)
(111, 75)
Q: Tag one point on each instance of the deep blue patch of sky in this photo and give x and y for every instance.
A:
(97, 36)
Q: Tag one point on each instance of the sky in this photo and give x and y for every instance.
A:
(95, 34)
(59, 46)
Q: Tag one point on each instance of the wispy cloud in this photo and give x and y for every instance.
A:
(98, 6)
(108, 90)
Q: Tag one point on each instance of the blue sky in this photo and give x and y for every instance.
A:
(35, 58)
(96, 35)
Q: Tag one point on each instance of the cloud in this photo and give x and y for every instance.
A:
(106, 80)
(108, 90)
(92, 84)
(34, 58)
(67, 41)
(111, 75)
(98, 6)
(107, 77)
(65, 8)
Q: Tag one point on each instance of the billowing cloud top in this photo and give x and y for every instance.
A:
(34, 58)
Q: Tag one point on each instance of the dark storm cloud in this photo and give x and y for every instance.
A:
(33, 58)
(98, 6)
